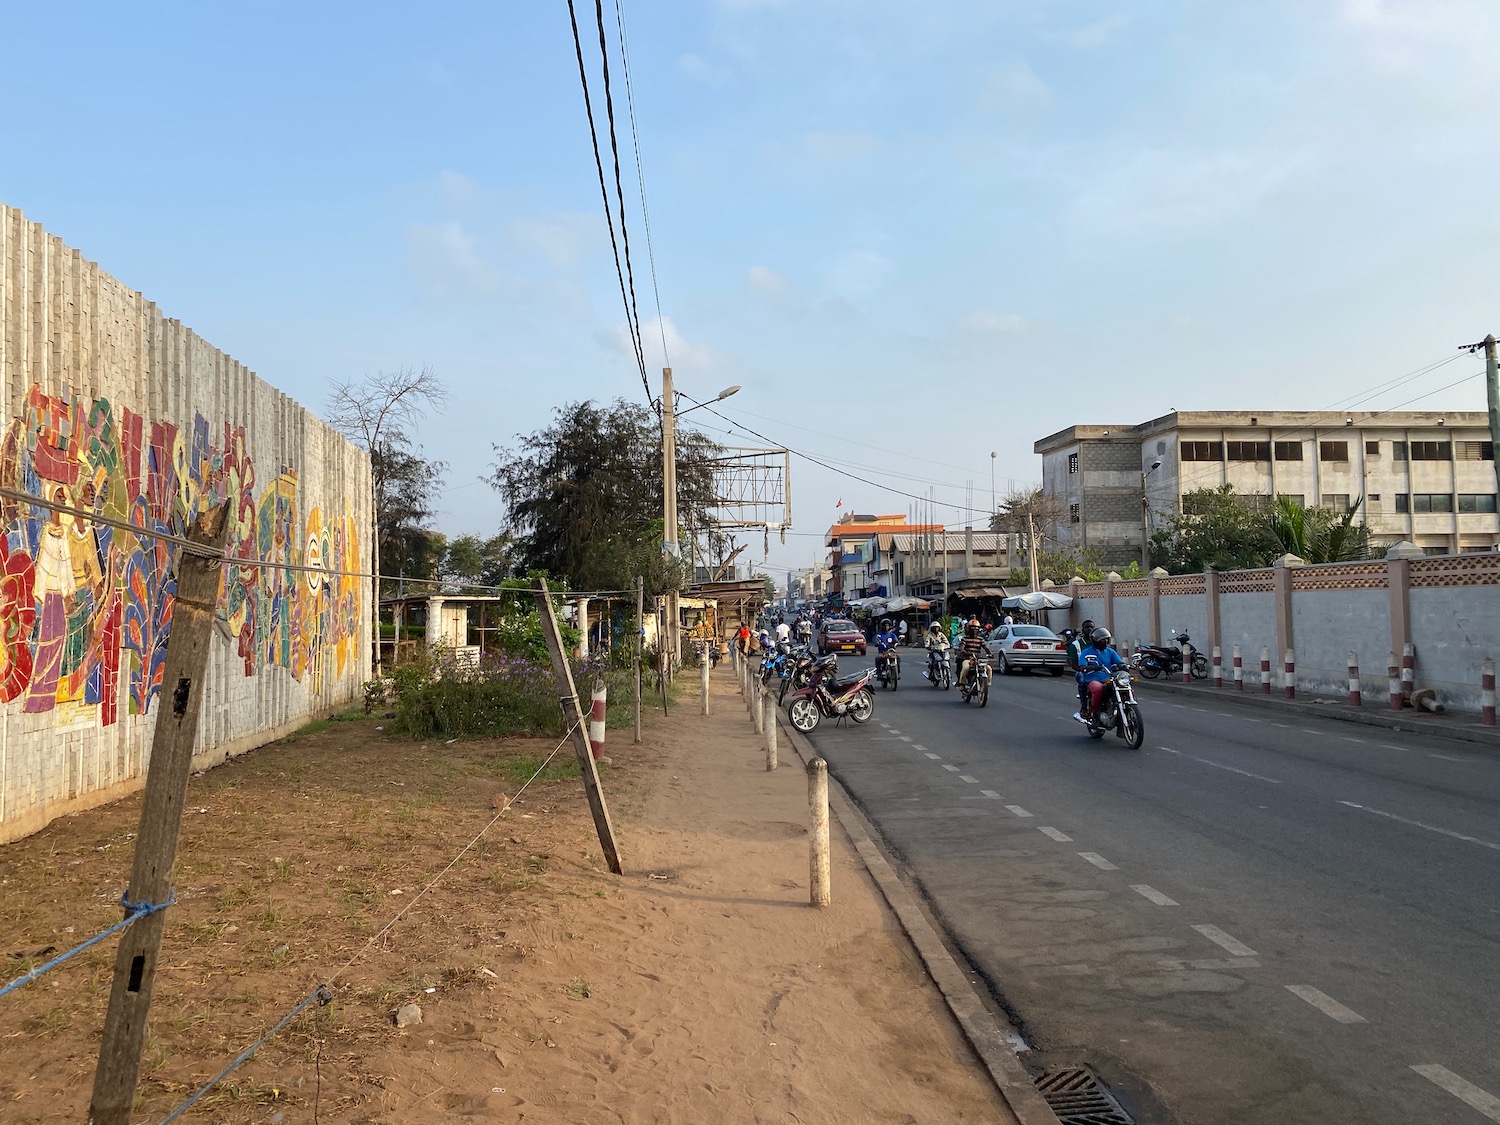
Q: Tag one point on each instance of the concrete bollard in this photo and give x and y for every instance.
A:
(1187, 662)
(1394, 669)
(758, 708)
(1291, 674)
(1265, 670)
(1408, 672)
(1218, 667)
(769, 720)
(598, 705)
(1239, 670)
(1487, 694)
(819, 891)
(703, 683)
(1354, 694)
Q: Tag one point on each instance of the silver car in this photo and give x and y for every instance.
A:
(1023, 647)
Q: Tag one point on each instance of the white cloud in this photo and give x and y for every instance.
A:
(691, 357)
(1015, 88)
(563, 238)
(764, 280)
(991, 322)
(444, 256)
(1092, 34)
(701, 70)
(457, 190)
(836, 147)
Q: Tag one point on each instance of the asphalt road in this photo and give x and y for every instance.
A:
(1251, 919)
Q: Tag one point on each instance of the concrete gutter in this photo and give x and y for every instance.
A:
(1375, 713)
(985, 1034)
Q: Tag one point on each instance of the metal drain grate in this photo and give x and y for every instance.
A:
(1078, 1098)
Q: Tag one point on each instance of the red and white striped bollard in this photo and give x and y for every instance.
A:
(1408, 672)
(1265, 670)
(1354, 694)
(1239, 670)
(1394, 670)
(1218, 667)
(1487, 694)
(597, 705)
(1187, 662)
(1291, 674)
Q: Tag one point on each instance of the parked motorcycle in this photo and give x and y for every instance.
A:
(829, 696)
(938, 673)
(976, 685)
(1156, 659)
(798, 673)
(888, 668)
(1118, 710)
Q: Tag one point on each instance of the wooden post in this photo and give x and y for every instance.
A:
(573, 720)
(640, 642)
(703, 680)
(757, 706)
(184, 678)
(769, 721)
(819, 891)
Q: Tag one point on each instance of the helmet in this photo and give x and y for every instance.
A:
(935, 627)
(973, 627)
(885, 624)
(1102, 637)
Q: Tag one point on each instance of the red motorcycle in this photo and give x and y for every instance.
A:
(828, 696)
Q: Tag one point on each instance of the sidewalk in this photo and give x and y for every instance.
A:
(1374, 712)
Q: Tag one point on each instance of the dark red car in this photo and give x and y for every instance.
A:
(840, 635)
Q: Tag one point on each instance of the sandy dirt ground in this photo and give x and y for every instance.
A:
(698, 987)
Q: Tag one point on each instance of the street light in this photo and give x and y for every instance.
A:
(669, 545)
(1146, 519)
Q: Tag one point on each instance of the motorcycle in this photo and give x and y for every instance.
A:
(938, 674)
(1118, 710)
(1156, 659)
(976, 684)
(828, 696)
(888, 668)
(798, 672)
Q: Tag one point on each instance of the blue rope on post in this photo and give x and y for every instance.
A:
(134, 912)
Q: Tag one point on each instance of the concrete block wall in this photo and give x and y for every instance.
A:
(117, 411)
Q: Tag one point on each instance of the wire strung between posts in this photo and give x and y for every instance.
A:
(134, 912)
(323, 994)
(320, 995)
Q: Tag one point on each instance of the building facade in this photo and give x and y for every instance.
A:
(1424, 477)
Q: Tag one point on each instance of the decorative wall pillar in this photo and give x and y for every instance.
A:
(1282, 585)
(1075, 612)
(434, 622)
(1211, 605)
(1153, 610)
(1398, 585)
(1109, 600)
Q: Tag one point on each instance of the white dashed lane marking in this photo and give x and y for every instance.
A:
(1060, 837)
(905, 737)
(991, 794)
(1465, 1091)
(1018, 810)
(970, 780)
(1325, 1003)
(919, 746)
(1225, 942)
(1151, 894)
(1419, 824)
(1099, 861)
(934, 757)
(950, 769)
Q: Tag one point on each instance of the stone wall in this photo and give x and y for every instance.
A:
(116, 411)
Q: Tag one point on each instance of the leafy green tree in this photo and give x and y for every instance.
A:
(472, 562)
(585, 496)
(1216, 528)
(1316, 535)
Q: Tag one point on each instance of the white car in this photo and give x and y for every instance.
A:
(1017, 647)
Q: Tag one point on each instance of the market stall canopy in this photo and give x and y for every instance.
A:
(980, 592)
(1038, 599)
(901, 605)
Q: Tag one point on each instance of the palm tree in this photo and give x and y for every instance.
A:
(1316, 535)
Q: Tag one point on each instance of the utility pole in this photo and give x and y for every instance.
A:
(669, 543)
(1036, 580)
(1492, 382)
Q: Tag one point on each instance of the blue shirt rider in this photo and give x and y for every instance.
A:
(1094, 664)
(887, 637)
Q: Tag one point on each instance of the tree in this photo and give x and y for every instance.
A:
(1316, 535)
(1023, 509)
(585, 496)
(473, 562)
(1216, 528)
(377, 413)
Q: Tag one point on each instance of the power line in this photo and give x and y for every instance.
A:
(640, 175)
(630, 324)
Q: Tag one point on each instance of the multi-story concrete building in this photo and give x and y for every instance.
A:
(1425, 477)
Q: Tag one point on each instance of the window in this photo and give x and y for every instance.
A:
(1072, 462)
(1073, 516)
(1431, 450)
(1336, 500)
(1372, 502)
(1372, 449)
(1333, 451)
(1247, 450)
(1398, 451)
(1249, 502)
(1434, 550)
(1403, 499)
(1431, 502)
(1203, 451)
(1476, 451)
(1288, 451)
(1476, 501)
(1296, 498)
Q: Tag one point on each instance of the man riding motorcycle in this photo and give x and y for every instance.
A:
(970, 649)
(1076, 644)
(1094, 663)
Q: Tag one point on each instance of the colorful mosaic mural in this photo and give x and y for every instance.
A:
(86, 608)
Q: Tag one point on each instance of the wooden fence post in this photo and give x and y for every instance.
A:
(703, 679)
(819, 891)
(184, 678)
(573, 721)
(640, 644)
(770, 725)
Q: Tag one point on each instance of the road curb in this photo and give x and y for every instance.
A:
(1409, 722)
(979, 1026)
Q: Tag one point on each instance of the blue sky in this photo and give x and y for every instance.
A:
(936, 230)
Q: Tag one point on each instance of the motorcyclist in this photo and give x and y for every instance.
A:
(970, 648)
(936, 639)
(804, 630)
(886, 639)
(1095, 662)
(1076, 644)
